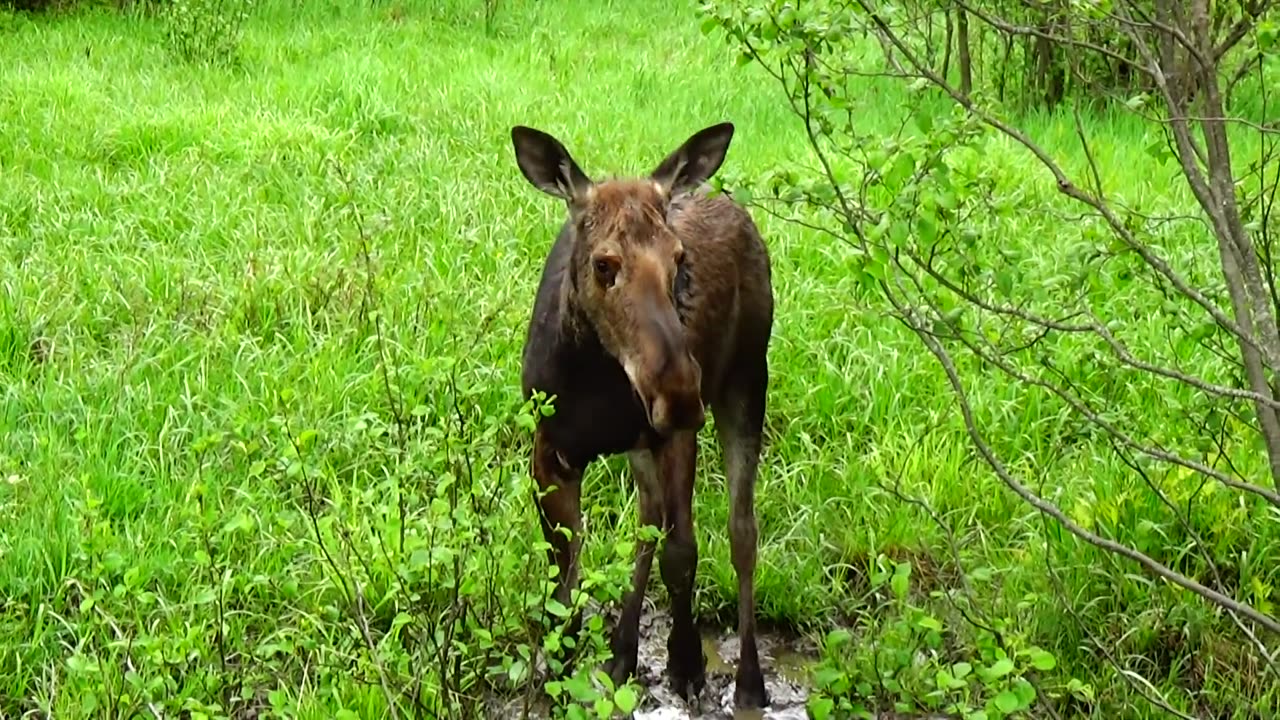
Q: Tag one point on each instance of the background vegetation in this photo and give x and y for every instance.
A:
(266, 268)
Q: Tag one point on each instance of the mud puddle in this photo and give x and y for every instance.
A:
(784, 660)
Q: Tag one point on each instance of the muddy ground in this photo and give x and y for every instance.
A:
(785, 661)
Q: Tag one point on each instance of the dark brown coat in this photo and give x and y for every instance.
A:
(655, 300)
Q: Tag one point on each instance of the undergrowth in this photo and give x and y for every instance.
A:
(259, 355)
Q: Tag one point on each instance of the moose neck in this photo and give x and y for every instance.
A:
(577, 334)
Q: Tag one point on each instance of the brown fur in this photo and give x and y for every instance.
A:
(655, 300)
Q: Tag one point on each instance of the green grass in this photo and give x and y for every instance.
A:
(185, 283)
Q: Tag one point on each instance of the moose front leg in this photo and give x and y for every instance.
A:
(625, 643)
(559, 503)
(686, 665)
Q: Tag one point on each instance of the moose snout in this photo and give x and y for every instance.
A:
(675, 402)
(671, 413)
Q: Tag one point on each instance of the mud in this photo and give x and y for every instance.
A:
(784, 660)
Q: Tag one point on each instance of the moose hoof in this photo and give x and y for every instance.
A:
(749, 692)
(688, 688)
(688, 675)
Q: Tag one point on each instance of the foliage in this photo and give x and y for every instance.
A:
(419, 588)
(205, 30)
(909, 663)
(920, 205)
(208, 338)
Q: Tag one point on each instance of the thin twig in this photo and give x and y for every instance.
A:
(1047, 508)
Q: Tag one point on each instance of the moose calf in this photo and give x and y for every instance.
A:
(655, 298)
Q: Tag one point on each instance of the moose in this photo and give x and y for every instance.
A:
(655, 303)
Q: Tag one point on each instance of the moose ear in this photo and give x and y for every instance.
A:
(546, 164)
(696, 160)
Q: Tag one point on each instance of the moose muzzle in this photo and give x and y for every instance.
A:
(666, 377)
(676, 402)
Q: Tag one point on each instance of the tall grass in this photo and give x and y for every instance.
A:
(182, 278)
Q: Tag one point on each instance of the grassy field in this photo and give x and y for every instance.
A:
(224, 287)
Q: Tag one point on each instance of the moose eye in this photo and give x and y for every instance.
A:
(606, 269)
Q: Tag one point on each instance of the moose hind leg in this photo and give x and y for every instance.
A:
(625, 643)
(740, 427)
(686, 665)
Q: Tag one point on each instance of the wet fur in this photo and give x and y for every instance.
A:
(726, 268)
(724, 301)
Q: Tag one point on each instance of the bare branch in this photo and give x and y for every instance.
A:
(1068, 188)
(910, 317)
(1242, 27)
(1144, 688)
(1032, 31)
(1083, 409)
(1127, 357)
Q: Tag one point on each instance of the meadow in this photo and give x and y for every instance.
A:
(263, 449)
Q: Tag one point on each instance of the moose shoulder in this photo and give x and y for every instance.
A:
(655, 304)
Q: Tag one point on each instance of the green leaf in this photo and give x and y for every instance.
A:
(927, 229)
(902, 168)
(867, 280)
(1007, 702)
(1000, 668)
(930, 623)
(924, 121)
(946, 681)
(626, 699)
(240, 523)
(1025, 691)
(897, 234)
(901, 579)
(899, 585)
(838, 637)
(306, 438)
(419, 559)
(557, 608)
(1004, 281)
(821, 707)
(1042, 660)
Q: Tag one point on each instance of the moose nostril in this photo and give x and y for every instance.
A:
(667, 414)
(658, 414)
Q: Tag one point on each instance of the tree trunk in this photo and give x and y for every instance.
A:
(1004, 66)
(946, 52)
(1214, 189)
(962, 50)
